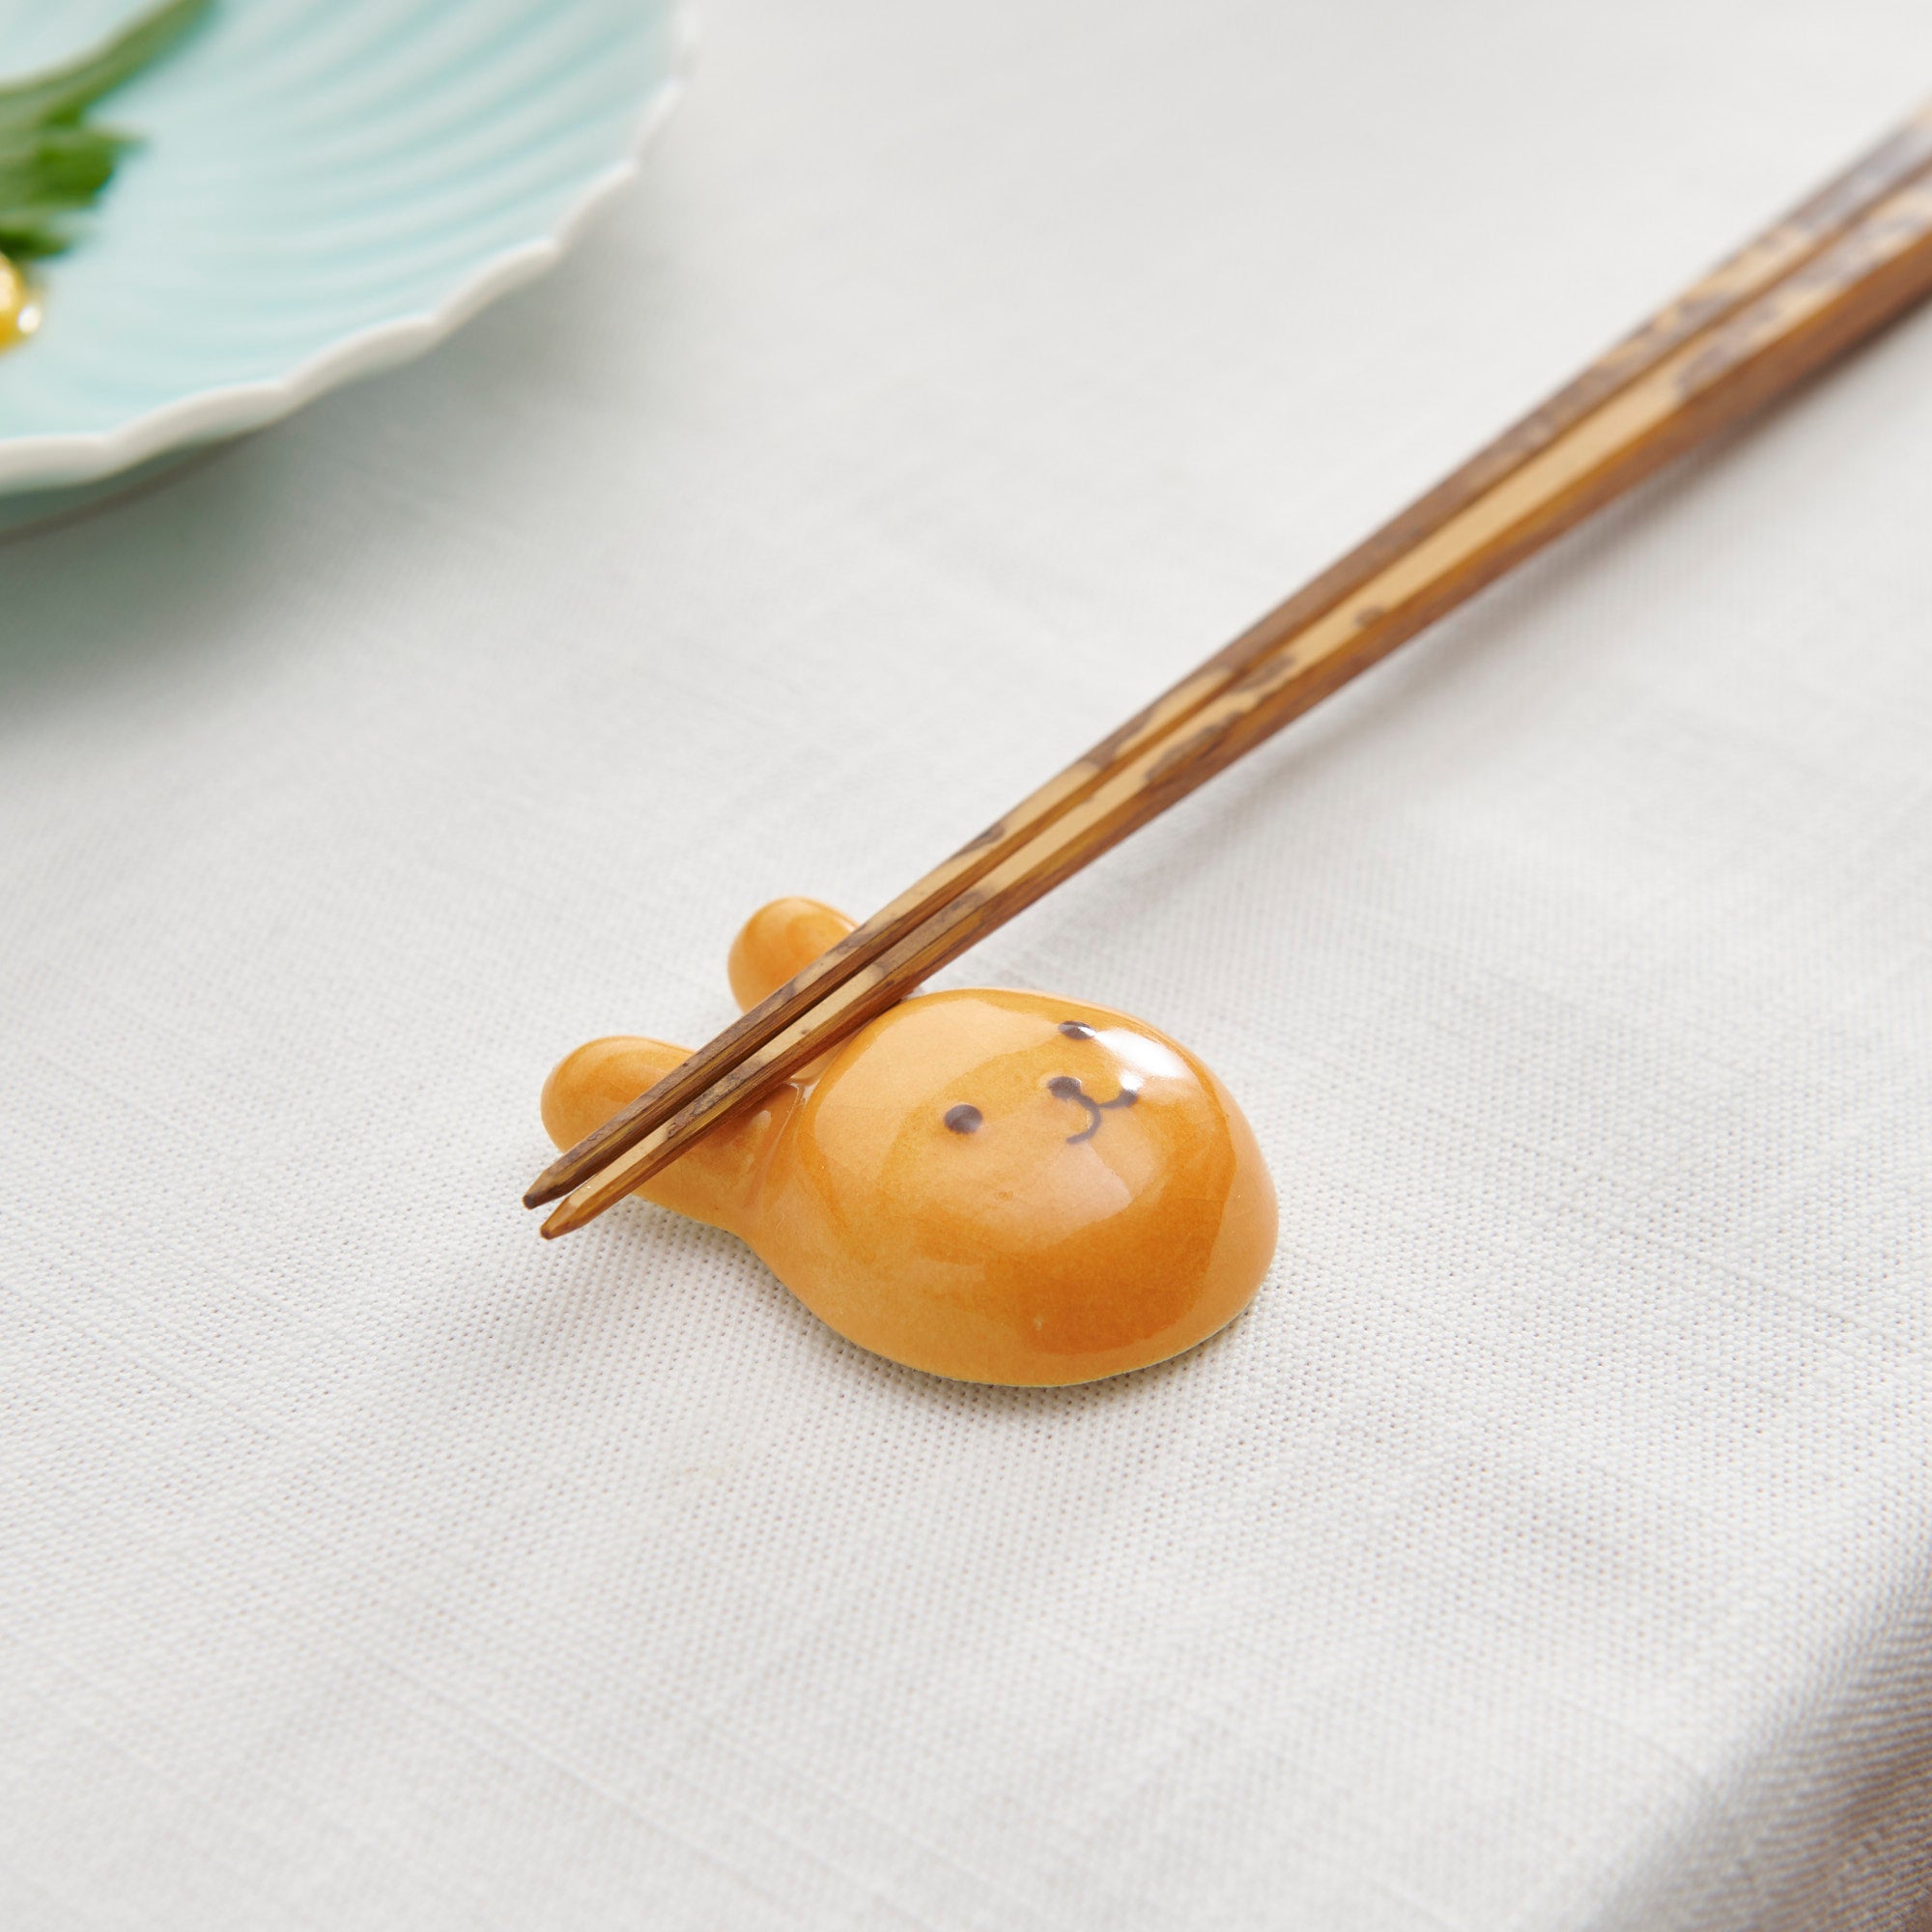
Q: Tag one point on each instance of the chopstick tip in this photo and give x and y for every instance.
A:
(565, 1220)
(552, 1185)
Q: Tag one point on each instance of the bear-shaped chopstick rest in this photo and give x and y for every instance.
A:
(995, 1187)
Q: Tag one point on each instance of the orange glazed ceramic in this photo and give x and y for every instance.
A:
(997, 1186)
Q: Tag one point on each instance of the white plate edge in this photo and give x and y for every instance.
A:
(48, 461)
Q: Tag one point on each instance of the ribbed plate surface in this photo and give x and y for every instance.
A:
(327, 186)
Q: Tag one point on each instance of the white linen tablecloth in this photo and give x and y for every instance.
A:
(1548, 1548)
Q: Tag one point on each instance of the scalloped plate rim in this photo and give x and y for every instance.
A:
(51, 461)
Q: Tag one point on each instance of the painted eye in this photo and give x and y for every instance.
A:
(1063, 1087)
(1076, 1029)
(964, 1119)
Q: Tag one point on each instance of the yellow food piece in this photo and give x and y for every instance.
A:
(996, 1187)
(20, 308)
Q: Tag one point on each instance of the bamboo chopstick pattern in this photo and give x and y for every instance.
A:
(1853, 256)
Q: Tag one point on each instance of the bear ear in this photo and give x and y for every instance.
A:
(778, 942)
(714, 1181)
(599, 1078)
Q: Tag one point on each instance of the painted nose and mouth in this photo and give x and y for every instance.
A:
(1064, 1087)
(967, 1119)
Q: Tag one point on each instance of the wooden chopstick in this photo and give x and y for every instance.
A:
(1824, 276)
(1795, 238)
(1786, 246)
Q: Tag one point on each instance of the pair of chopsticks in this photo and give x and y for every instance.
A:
(1828, 274)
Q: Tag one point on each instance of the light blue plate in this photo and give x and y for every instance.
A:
(326, 188)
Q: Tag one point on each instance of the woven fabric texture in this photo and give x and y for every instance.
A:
(1548, 1546)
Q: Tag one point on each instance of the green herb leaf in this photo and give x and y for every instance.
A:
(62, 94)
(26, 235)
(66, 168)
(51, 165)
